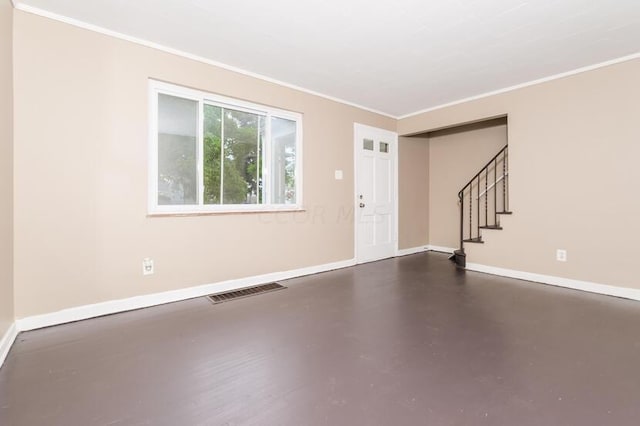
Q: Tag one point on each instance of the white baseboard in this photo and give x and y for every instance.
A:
(412, 250)
(7, 341)
(441, 249)
(609, 290)
(145, 301)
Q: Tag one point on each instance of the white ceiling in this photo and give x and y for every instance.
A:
(396, 56)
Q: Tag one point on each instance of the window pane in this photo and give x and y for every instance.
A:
(384, 147)
(212, 153)
(241, 152)
(367, 144)
(283, 161)
(177, 150)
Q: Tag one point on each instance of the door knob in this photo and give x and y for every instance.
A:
(361, 205)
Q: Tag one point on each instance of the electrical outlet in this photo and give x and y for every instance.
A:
(147, 266)
(561, 255)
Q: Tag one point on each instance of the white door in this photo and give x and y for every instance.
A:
(376, 208)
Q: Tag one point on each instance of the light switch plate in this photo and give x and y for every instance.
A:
(561, 255)
(147, 266)
(338, 174)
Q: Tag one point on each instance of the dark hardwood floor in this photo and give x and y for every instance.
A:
(405, 341)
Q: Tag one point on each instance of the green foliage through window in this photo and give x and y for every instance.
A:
(244, 158)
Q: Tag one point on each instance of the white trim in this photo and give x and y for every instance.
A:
(356, 202)
(396, 189)
(215, 99)
(199, 153)
(420, 249)
(299, 161)
(145, 301)
(7, 341)
(609, 290)
(152, 147)
(95, 28)
(412, 250)
(526, 84)
(441, 249)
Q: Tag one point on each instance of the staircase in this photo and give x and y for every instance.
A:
(483, 200)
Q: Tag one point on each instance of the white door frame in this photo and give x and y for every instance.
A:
(356, 202)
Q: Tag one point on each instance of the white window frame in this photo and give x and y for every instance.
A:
(158, 87)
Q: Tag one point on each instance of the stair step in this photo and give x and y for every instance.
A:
(474, 240)
(491, 227)
(504, 212)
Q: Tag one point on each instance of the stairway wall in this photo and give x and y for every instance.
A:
(455, 155)
(413, 192)
(573, 149)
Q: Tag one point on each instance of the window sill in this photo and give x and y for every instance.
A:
(225, 212)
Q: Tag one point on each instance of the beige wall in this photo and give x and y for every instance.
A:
(413, 192)
(6, 166)
(573, 148)
(455, 156)
(81, 229)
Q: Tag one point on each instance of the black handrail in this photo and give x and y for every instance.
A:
(482, 169)
(487, 190)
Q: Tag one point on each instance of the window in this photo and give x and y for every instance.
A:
(214, 154)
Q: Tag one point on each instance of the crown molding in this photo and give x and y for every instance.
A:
(526, 84)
